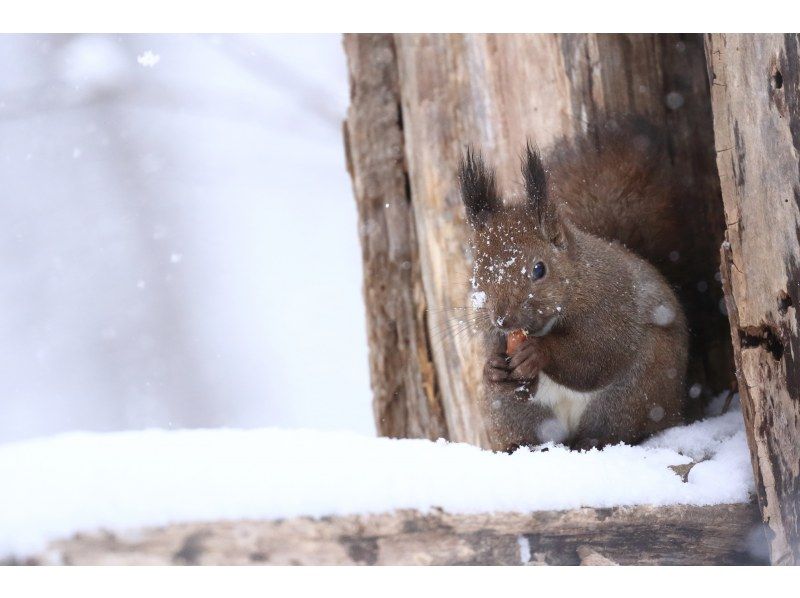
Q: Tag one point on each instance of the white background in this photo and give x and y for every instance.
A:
(179, 243)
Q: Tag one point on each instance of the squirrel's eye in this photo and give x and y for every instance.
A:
(538, 270)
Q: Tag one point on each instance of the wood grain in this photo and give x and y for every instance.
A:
(406, 399)
(756, 102)
(678, 535)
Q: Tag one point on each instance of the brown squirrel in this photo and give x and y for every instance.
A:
(606, 341)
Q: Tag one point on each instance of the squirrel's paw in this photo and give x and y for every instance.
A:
(526, 363)
(497, 369)
(499, 374)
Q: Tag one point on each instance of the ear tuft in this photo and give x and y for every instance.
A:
(535, 180)
(544, 209)
(478, 187)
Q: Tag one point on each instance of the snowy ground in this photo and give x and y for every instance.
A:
(85, 481)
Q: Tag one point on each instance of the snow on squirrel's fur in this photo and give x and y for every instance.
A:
(54, 487)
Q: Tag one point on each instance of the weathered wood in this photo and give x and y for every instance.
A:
(679, 535)
(756, 103)
(406, 401)
(496, 91)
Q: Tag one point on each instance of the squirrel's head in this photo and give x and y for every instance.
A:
(522, 258)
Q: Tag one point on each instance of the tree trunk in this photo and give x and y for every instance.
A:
(406, 401)
(756, 102)
(417, 100)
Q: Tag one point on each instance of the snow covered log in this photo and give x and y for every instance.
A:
(678, 535)
(755, 82)
(153, 494)
(416, 101)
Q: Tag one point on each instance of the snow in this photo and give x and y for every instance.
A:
(663, 315)
(148, 59)
(120, 481)
(524, 549)
(478, 299)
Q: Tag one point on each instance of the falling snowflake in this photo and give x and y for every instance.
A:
(148, 59)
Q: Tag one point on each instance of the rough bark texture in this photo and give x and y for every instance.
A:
(756, 101)
(407, 402)
(495, 91)
(681, 535)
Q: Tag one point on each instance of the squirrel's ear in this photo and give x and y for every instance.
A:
(539, 201)
(478, 187)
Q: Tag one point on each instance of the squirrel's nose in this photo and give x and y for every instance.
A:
(503, 321)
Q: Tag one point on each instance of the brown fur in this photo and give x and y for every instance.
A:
(616, 182)
(602, 320)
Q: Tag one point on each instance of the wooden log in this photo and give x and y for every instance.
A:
(677, 535)
(496, 91)
(755, 82)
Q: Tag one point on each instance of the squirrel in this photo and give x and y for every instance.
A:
(605, 346)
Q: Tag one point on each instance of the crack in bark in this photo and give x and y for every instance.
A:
(766, 336)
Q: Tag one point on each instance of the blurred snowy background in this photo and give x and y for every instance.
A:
(179, 242)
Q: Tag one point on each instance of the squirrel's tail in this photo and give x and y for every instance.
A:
(617, 182)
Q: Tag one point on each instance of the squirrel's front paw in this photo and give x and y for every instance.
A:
(527, 362)
(497, 369)
(499, 372)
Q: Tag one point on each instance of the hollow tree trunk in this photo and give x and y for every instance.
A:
(756, 102)
(416, 101)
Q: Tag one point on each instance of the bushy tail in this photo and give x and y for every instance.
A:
(617, 182)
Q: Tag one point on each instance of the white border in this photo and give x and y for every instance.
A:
(401, 582)
(408, 15)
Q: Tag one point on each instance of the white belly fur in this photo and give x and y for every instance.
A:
(568, 405)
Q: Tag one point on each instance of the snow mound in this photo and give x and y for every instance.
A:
(56, 486)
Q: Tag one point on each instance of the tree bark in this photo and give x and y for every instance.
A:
(406, 400)
(756, 102)
(677, 535)
(496, 91)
